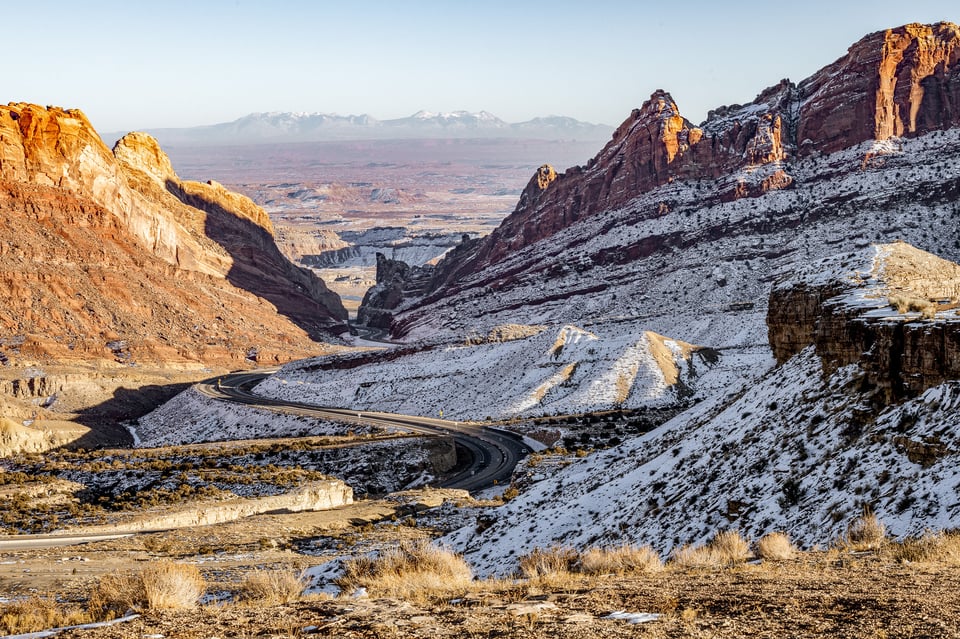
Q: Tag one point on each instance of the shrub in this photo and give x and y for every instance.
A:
(413, 570)
(272, 587)
(865, 532)
(941, 547)
(117, 593)
(619, 560)
(168, 585)
(36, 614)
(775, 546)
(731, 548)
(161, 585)
(726, 548)
(905, 304)
(545, 562)
(690, 556)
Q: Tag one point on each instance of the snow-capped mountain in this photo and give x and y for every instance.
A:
(280, 127)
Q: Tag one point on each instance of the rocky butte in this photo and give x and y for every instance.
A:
(123, 282)
(110, 255)
(891, 85)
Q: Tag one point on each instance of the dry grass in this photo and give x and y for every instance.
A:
(36, 614)
(864, 532)
(272, 587)
(162, 585)
(546, 562)
(623, 559)
(172, 586)
(413, 570)
(931, 547)
(727, 548)
(730, 547)
(775, 546)
(906, 304)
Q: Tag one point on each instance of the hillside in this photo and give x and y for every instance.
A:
(109, 255)
(123, 283)
(801, 449)
(684, 226)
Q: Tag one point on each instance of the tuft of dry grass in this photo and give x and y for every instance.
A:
(116, 594)
(414, 570)
(160, 585)
(730, 547)
(542, 562)
(272, 587)
(907, 304)
(620, 560)
(726, 548)
(172, 586)
(775, 546)
(36, 614)
(865, 532)
(930, 547)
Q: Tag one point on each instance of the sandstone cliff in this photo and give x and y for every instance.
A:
(109, 255)
(890, 308)
(902, 82)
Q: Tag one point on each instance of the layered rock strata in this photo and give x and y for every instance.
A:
(894, 314)
(110, 255)
(901, 82)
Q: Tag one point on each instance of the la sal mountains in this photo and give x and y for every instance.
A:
(281, 127)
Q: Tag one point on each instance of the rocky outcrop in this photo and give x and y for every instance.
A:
(110, 255)
(893, 314)
(901, 82)
(396, 281)
(319, 495)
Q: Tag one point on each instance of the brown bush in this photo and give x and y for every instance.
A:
(272, 587)
(726, 548)
(931, 547)
(413, 570)
(551, 561)
(160, 585)
(36, 614)
(620, 560)
(865, 532)
(775, 546)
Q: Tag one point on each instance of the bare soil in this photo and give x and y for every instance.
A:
(811, 597)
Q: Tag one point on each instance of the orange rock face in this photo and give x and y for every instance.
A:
(110, 255)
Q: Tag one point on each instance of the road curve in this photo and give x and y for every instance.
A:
(493, 454)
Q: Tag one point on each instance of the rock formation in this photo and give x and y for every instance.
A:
(890, 308)
(111, 256)
(902, 82)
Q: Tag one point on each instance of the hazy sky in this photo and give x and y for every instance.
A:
(142, 64)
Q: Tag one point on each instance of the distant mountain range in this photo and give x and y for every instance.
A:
(279, 127)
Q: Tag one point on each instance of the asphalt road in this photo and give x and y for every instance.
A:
(492, 454)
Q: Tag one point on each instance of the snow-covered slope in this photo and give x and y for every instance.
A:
(792, 452)
(557, 370)
(699, 270)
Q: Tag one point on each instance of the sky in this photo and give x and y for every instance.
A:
(139, 64)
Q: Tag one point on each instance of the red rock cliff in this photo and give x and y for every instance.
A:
(900, 82)
(109, 254)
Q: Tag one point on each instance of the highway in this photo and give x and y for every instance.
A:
(492, 455)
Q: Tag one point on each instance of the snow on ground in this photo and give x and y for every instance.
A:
(790, 452)
(192, 417)
(561, 370)
(712, 263)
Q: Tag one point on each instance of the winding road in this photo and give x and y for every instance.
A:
(492, 454)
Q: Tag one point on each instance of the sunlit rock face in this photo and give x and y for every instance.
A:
(101, 247)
